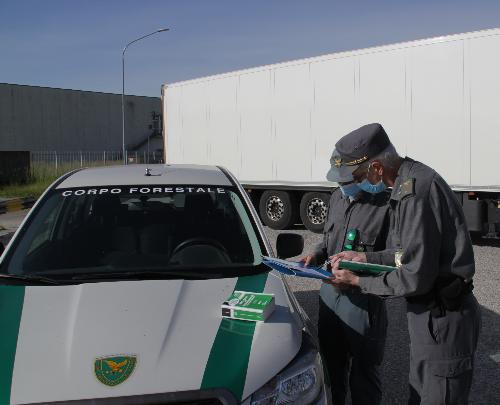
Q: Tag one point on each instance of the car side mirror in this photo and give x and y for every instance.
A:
(289, 245)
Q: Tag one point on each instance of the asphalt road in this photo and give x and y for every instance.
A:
(486, 385)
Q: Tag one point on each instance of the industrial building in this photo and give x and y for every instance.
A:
(49, 119)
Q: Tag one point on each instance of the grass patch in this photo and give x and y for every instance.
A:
(30, 189)
(43, 175)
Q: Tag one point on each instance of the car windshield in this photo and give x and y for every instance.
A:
(86, 232)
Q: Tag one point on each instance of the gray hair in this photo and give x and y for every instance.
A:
(388, 157)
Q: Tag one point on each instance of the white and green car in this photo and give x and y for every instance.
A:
(111, 293)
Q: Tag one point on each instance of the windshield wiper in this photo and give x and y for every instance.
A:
(139, 275)
(28, 279)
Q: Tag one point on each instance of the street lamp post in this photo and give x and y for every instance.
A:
(123, 86)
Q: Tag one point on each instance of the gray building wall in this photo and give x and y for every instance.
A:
(41, 118)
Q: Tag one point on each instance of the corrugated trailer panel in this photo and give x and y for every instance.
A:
(485, 109)
(292, 102)
(438, 135)
(334, 108)
(195, 136)
(384, 95)
(174, 148)
(256, 136)
(437, 98)
(224, 123)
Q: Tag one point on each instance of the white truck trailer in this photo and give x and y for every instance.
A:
(275, 126)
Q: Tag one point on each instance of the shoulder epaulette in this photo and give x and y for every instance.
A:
(406, 188)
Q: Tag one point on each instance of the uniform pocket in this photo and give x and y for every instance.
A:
(448, 381)
(330, 221)
(367, 240)
(375, 340)
(450, 367)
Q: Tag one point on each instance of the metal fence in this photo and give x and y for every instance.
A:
(47, 163)
(93, 158)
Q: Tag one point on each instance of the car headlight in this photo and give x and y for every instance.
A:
(300, 382)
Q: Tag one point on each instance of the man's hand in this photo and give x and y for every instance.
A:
(343, 279)
(308, 260)
(347, 255)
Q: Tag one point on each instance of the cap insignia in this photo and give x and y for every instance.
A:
(357, 161)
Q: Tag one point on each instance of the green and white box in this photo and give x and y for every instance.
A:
(248, 306)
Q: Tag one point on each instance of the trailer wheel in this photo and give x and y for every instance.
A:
(313, 211)
(278, 209)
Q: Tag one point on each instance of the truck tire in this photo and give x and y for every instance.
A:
(313, 211)
(278, 209)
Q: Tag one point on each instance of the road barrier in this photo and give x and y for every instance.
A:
(16, 204)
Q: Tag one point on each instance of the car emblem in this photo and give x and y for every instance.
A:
(113, 370)
(338, 161)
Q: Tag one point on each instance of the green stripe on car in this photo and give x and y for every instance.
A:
(228, 360)
(11, 307)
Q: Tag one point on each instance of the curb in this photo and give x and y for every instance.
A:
(16, 204)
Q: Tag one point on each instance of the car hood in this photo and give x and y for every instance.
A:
(171, 331)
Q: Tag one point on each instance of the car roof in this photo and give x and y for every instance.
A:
(161, 174)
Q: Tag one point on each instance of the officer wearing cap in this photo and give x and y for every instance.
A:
(430, 244)
(352, 326)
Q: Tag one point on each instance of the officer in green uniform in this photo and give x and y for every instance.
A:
(430, 244)
(352, 326)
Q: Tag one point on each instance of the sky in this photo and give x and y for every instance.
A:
(77, 44)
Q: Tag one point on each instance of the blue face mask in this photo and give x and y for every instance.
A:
(365, 185)
(350, 190)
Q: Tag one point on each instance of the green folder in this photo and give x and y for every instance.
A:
(365, 268)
